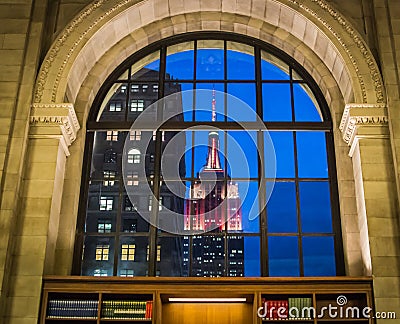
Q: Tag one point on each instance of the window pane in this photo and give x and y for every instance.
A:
(236, 255)
(114, 103)
(210, 60)
(107, 153)
(311, 155)
(281, 208)
(176, 159)
(284, 153)
(138, 156)
(180, 61)
(243, 154)
(203, 150)
(172, 206)
(135, 209)
(319, 256)
(147, 68)
(208, 256)
(204, 101)
(133, 255)
(181, 102)
(305, 104)
(315, 207)
(273, 68)
(102, 207)
(98, 256)
(240, 61)
(276, 102)
(283, 256)
(243, 109)
(141, 98)
(252, 260)
(243, 207)
(171, 262)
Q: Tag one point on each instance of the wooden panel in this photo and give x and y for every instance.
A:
(207, 313)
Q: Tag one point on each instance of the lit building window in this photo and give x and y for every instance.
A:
(100, 273)
(134, 156)
(155, 88)
(158, 253)
(104, 226)
(145, 87)
(123, 88)
(137, 105)
(126, 273)
(102, 252)
(115, 106)
(112, 136)
(135, 135)
(132, 179)
(160, 205)
(106, 203)
(162, 135)
(109, 177)
(128, 252)
(135, 88)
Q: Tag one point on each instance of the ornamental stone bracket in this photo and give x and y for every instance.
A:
(363, 121)
(54, 121)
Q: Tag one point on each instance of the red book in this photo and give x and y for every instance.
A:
(149, 309)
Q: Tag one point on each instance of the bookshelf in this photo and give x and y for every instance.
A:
(205, 300)
(316, 308)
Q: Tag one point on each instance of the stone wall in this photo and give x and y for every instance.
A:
(20, 46)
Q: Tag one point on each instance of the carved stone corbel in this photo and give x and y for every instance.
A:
(363, 121)
(52, 115)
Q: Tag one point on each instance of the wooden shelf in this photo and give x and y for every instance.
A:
(321, 291)
(70, 319)
(124, 320)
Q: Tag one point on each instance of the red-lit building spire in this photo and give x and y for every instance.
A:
(213, 161)
(214, 112)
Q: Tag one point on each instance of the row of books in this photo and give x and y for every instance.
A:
(127, 309)
(292, 308)
(58, 308)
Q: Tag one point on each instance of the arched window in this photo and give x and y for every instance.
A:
(134, 156)
(252, 219)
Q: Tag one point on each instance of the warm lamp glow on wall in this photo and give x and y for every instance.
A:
(206, 300)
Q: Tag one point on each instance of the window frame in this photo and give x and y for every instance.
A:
(324, 126)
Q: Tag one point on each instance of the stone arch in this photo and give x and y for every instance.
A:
(311, 26)
(107, 32)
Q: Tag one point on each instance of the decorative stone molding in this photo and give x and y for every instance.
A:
(361, 121)
(62, 115)
(358, 41)
(94, 12)
(70, 29)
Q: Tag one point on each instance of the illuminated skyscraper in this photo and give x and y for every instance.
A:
(214, 206)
